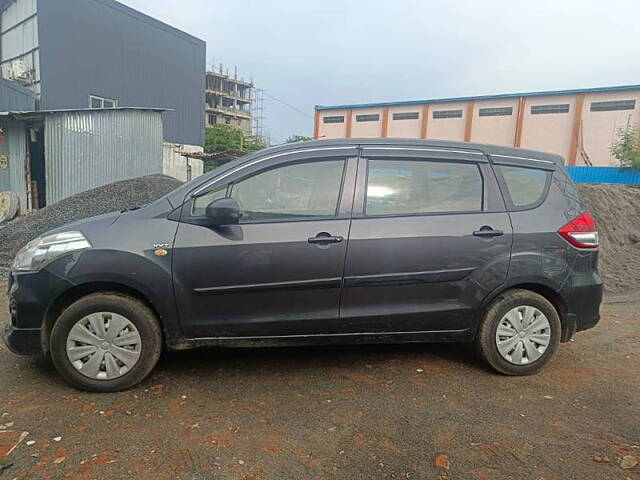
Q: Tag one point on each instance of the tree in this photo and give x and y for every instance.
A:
(297, 138)
(222, 138)
(626, 147)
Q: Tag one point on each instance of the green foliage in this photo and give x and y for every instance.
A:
(221, 137)
(225, 138)
(297, 138)
(626, 147)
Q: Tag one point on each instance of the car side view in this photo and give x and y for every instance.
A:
(321, 242)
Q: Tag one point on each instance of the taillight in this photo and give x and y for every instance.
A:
(581, 232)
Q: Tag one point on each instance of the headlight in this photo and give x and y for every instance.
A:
(35, 254)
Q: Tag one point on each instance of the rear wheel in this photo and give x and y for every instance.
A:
(519, 333)
(105, 342)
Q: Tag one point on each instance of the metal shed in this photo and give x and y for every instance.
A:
(54, 154)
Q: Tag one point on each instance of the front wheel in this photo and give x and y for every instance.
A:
(519, 333)
(105, 342)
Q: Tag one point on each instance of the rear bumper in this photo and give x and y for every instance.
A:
(22, 341)
(583, 307)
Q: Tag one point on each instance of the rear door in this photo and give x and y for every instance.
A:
(430, 238)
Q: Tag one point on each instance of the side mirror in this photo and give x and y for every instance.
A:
(223, 211)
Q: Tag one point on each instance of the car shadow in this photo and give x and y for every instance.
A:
(297, 358)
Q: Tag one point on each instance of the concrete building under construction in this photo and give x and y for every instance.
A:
(580, 124)
(228, 100)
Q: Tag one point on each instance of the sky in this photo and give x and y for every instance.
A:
(306, 53)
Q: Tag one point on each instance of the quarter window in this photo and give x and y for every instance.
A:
(299, 191)
(406, 187)
(526, 186)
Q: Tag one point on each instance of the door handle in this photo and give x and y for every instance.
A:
(487, 232)
(324, 237)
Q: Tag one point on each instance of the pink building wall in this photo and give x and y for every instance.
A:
(496, 130)
(566, 133)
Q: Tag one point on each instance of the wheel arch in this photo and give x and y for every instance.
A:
(78, 291)
(566, 321)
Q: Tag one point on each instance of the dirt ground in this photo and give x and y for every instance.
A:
(403, 411)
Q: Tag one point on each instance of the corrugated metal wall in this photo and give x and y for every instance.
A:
(102, 47)
(13, 178)
(95, 147)
(604, 175)
(16, 98)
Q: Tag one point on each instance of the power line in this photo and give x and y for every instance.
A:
(300, 111)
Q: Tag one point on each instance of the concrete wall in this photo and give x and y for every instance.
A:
(101, 47)
(446, 128)
(499, 129)
(599, 128)
(176, 165)
(553, 132)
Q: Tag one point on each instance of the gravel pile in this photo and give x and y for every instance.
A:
(108, 198)
(616, 209)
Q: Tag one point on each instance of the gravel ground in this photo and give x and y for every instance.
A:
(377, 412)
(105, 199)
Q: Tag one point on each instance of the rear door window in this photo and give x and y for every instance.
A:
(414, 187)
(526, 186)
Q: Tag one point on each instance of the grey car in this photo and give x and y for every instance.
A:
(322, 242)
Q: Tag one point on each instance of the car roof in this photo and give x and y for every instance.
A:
(487, 149)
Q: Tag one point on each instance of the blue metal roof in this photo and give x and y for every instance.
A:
(481, 97)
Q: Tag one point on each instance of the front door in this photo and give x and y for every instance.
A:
(429, 239)
(279, 271)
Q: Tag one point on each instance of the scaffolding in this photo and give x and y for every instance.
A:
(228, 99)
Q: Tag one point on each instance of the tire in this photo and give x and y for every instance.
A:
(109, 307)
(515, 304)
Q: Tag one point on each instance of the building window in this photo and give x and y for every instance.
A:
(614, 105)
(447, 114)
(542, 109)
(495, 111)
(336, 119)
(100, 102)
(373, 117)
(406, 116)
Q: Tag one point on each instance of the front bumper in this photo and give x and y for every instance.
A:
(22, 341)
(30, 295)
